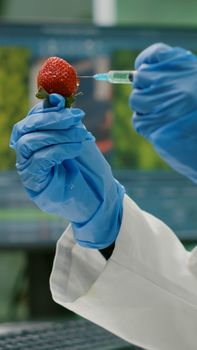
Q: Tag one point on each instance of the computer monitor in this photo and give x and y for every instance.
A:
(90, 49)
(23, 47)
(169, 196)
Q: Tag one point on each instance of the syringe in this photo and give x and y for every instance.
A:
(113, 76)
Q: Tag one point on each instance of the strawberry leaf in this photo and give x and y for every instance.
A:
(71, 99)
(42, 93)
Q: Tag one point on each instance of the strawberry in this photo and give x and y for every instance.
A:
(57, 76)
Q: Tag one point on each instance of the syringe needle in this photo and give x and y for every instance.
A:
(86, 76)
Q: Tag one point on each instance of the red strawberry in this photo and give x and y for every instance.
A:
(57, 76)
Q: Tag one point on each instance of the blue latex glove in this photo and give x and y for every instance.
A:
(64, 172)
(164, 99)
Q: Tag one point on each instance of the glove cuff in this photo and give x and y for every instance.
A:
(105, 224)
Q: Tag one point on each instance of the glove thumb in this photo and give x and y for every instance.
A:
(57, 100)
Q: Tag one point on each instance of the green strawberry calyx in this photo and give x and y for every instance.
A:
(69, 100)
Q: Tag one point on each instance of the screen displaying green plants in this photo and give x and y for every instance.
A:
(131, 151)
(109, 118)
(14, 102)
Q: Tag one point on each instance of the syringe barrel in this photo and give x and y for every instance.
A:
(120, 76)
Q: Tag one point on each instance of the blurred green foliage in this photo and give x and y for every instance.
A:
(131, 151)
(14, 103)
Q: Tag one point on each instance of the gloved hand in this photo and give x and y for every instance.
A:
(164, 99)
(64, 172)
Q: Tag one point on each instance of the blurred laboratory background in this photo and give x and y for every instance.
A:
(94, 36)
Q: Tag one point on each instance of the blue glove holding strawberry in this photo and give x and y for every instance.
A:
(64, 172)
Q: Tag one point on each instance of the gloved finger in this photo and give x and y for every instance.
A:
(155, 99)
(33, 182)
(32, 142)
(54, 102)
(159, 116)
(52, 120)
(152, 115)
(161, 56)
(143, 78)
(43, 160)
(142, 101)
(144, 104)
(145, 125)
(153, 54)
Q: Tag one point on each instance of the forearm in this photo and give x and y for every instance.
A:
(146, 281)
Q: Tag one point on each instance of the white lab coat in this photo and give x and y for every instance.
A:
(145, 293)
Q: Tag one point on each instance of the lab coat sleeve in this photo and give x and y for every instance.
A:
(145, 293)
